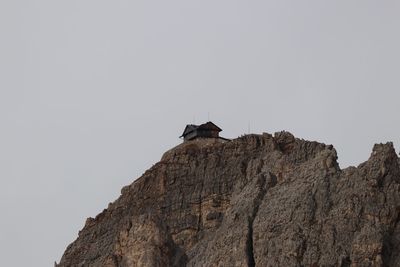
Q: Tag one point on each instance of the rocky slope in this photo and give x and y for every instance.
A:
(259, 200)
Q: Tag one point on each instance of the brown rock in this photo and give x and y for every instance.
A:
(257, 200)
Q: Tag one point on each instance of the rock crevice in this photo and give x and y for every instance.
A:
(263, 184)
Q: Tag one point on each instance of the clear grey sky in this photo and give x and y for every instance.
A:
(92, 92)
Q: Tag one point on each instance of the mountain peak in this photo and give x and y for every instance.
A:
(257, 200)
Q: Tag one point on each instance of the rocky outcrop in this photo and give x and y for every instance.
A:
(258, 200)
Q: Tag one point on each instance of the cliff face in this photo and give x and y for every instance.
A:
(259, 200)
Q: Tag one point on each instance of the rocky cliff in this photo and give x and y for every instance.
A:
(258, 200)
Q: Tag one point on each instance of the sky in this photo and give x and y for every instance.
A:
(93, 92)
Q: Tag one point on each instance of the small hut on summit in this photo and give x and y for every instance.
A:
(206, 130)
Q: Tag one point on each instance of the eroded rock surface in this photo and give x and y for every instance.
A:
(258, 200)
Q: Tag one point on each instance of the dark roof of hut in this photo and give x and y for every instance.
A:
(205, 126)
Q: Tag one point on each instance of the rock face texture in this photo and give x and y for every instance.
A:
(258, 200)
